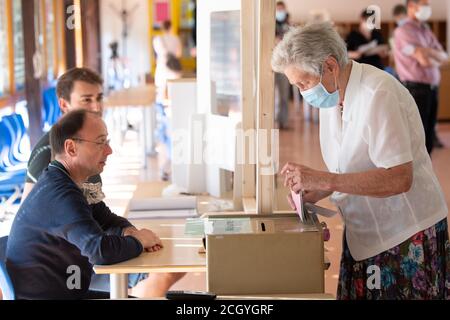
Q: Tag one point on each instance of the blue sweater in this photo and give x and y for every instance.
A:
(56, 229)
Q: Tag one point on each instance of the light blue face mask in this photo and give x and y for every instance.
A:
(319, 97)
(401, 22)
(281, 16)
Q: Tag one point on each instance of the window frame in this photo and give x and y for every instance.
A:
(13, 96)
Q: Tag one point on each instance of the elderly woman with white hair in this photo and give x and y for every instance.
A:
(380, 175)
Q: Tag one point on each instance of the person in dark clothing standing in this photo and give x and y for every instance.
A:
(366, 45)
(57, 237)
(418, 57)
(282, 85)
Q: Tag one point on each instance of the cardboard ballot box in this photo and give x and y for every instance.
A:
(264, 254)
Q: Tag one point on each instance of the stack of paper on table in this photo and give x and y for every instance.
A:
(163, 208)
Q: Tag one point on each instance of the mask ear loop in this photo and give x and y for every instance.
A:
(321, 73)
(338, 88)
(336, 83)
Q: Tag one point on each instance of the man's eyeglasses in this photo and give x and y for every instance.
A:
(105, 143)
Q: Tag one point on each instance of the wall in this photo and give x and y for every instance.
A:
(349, 10)
(139, 45)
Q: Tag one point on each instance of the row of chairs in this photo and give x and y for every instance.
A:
(14, 154)
(15, 148)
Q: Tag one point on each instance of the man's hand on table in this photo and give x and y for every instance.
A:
(149, 240)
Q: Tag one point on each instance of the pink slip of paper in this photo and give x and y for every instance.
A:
(298, 203)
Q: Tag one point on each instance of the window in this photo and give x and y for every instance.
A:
(4, 53)
(19, 57)
(49, 26)
(12, 61)
(226, 62)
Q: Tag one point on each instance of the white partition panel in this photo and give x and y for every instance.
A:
(219, 152)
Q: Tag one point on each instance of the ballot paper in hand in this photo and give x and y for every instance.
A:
(298, 201)
(163, 208)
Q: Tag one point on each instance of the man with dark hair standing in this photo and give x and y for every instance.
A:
(418, 56)
(57, 236)
(400, 14)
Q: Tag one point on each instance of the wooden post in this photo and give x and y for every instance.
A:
(265, 112)
(248, 66)
(32, 85)
(9, 21)
(71, 56)
(90, 26)
(61, 57)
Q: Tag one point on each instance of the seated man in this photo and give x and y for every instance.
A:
(81, 88)
(57, 237)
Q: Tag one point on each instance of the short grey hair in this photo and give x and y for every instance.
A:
(308, 47)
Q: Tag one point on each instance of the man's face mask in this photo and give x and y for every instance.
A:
(424, 13)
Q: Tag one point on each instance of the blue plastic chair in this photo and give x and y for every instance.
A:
(16, 127)
(51, 112)
(5, 281)
(12, 174)
(7, 161)
(6, 284)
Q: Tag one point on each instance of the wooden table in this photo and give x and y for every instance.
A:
(180, 252)
(142, 97)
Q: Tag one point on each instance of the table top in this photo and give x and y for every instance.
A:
(139, 96)
(178, 255)
(181, 253)
(205, 203)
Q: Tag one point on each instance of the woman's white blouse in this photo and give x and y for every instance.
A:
(380, 128)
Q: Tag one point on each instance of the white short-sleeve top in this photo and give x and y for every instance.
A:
(380, 127)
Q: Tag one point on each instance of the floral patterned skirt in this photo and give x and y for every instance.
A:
(419, 268)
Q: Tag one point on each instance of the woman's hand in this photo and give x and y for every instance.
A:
(298, 178)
